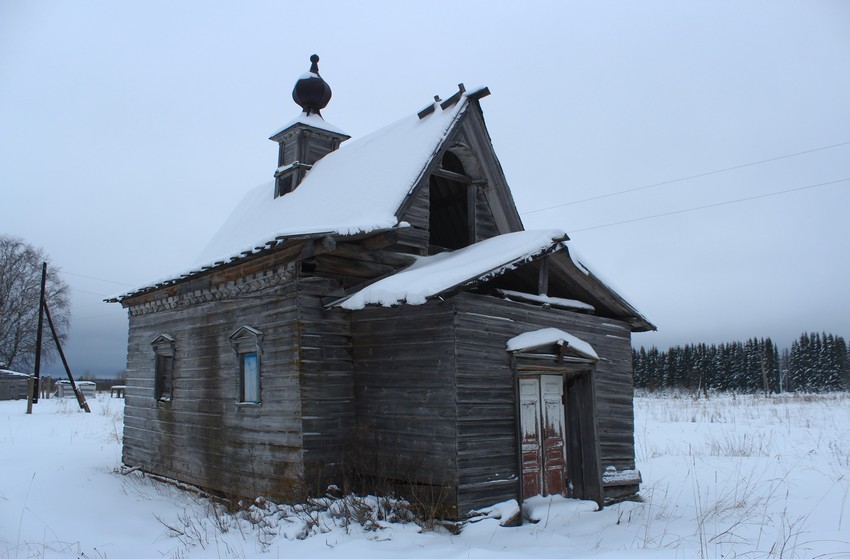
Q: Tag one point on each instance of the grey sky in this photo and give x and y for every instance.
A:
(128, 131)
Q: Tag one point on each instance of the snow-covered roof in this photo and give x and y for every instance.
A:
(313, 120)
(557, 302)
(430, 276)
(7, 372)
(355, 189)
(546, 336)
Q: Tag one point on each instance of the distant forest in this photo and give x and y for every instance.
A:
(815, 363)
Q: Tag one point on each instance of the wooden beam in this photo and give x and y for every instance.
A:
(472, 212)
(478, 94)
(451, 175)
(454, 98)
(543, 276)
(426, 111)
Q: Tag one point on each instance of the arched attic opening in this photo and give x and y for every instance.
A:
(453, 193)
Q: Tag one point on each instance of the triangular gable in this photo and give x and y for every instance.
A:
(590, 288)
(494, 209)
(495, 263)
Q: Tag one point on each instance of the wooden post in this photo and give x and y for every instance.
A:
(81, 399)
(37, 373)
(30, 392)
(543, 276)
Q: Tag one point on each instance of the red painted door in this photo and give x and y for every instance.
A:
(554, 449)
(544, 463)
(529, 394)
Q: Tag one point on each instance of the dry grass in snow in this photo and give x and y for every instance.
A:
(731, 476)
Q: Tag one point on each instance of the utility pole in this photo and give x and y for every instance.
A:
(35, 379)
(37, 373)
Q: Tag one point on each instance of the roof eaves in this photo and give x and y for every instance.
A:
(629, 313)
(276, 243)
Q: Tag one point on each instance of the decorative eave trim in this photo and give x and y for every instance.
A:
(327, 242)
(228, 290)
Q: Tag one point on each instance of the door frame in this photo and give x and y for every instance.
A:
(581, 444)
(548, 447)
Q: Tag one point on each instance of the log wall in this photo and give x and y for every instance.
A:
(203, 435)
(485, 391)
(327, 385)
(405, 405)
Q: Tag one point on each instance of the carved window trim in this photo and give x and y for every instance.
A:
(165, 350)
(247, 344)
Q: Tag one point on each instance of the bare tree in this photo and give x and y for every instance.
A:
(20, 285)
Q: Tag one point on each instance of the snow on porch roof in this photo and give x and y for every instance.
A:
(545, 336)
(430, 276)
(355, 189)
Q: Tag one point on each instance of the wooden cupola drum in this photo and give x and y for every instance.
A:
(308, 138)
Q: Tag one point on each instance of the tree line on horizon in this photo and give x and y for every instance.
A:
(816, 362)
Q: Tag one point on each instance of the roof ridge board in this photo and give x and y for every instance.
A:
(433, 160)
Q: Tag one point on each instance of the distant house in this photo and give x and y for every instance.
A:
(13, 385)
(63, 388)
(377, 316)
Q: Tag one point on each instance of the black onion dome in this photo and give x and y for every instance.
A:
(311, 92)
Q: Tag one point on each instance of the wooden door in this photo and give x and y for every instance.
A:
(554, 456)
(544, 463)
(529, 398)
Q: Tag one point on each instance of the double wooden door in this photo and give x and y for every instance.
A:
(542, 428)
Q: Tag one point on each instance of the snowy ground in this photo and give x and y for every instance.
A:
(727, 477)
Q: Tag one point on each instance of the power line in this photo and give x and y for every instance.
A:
(706, 174)
(726, 203)
(97, 279)
(88, 292)
(98, 316)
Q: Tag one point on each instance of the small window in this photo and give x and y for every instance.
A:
(284, 185)
(246, 342)
(249, 377)
(163, 347)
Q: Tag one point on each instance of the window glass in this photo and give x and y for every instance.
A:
(250, 377)
(164, 376)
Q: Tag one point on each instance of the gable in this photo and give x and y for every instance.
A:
(532, 267)
(558, 280)
(463, 196)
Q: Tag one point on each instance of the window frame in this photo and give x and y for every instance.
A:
(164, 348)
(247, 341)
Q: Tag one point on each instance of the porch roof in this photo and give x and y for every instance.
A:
(431, 276)
(546, 336)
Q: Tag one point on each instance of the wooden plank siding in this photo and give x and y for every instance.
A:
(404, 399)
(13, 387)
(327, 385)
(485, 391)
(204, 436)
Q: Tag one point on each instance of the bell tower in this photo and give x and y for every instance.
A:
(308, 138)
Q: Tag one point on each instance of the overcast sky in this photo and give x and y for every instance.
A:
(129, 130)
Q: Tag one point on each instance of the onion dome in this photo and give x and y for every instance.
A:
(311, 92)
